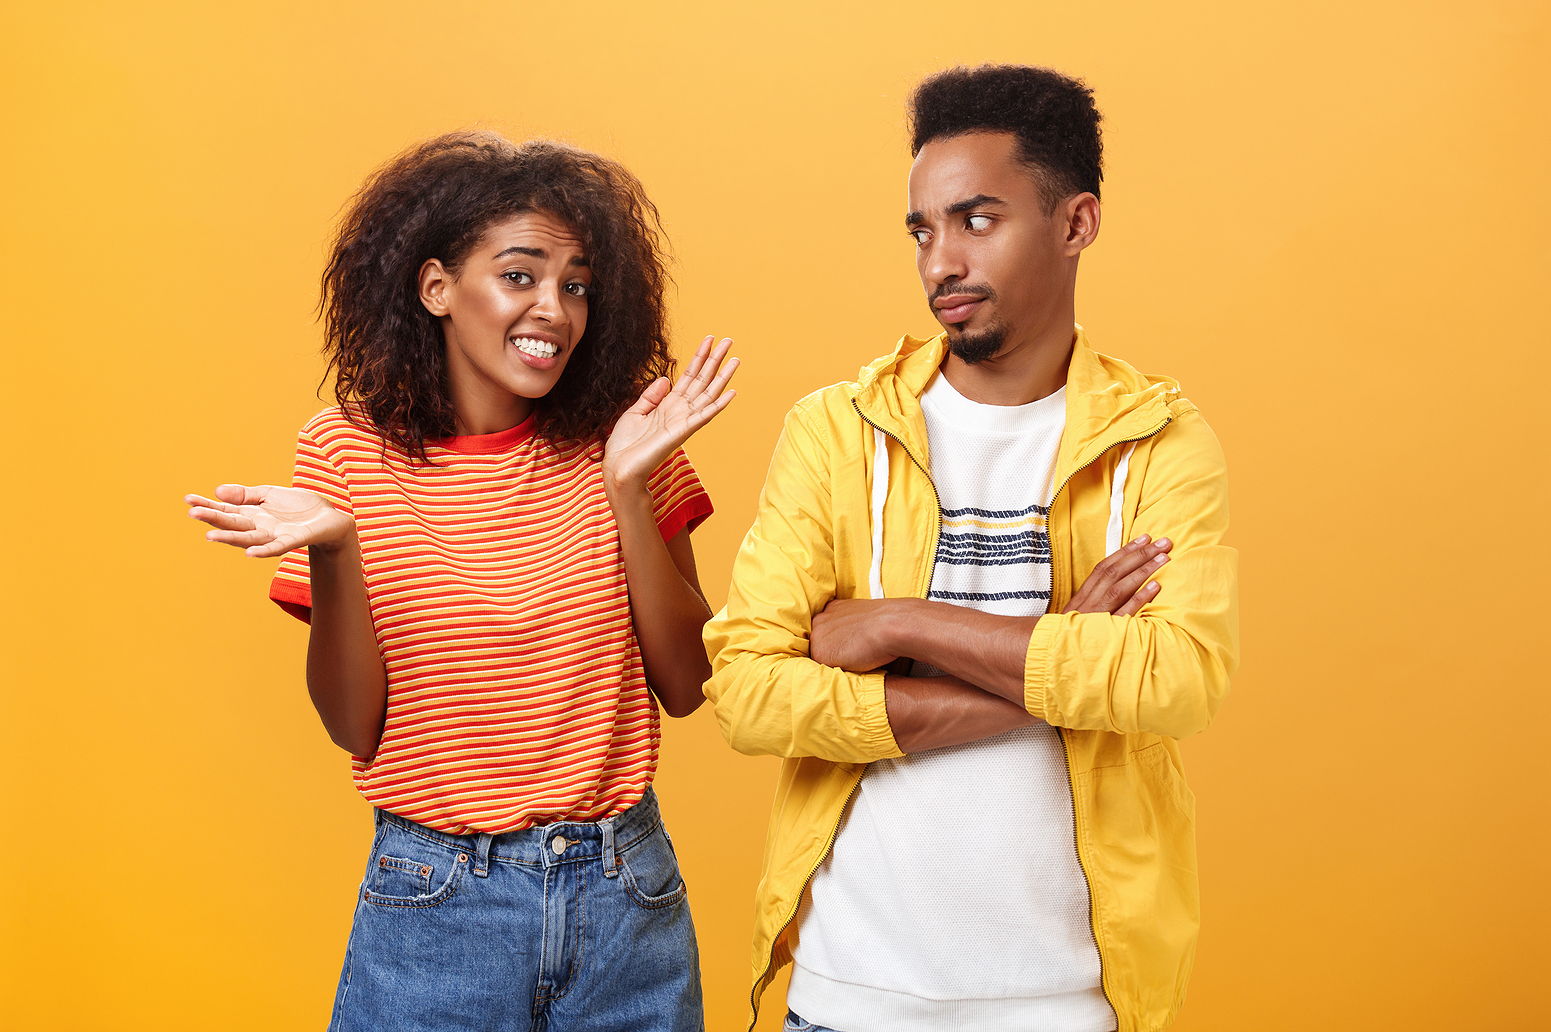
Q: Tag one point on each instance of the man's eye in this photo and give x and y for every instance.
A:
(517, 277)
(975, 223)
(578, 289)
(919, 236)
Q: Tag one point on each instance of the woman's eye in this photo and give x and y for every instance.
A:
(578, 289)
(976, 223)
(517, 277)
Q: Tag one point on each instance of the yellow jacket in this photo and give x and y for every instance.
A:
(1135, 458)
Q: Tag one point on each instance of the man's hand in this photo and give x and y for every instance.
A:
(852, 633)
(1119, 584)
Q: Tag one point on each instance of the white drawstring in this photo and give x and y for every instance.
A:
(1117, 497)
(880, 491)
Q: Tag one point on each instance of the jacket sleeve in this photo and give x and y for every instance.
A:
(769, 697)
(1166, 669)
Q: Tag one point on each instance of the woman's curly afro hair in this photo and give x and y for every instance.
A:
(436, 200)
(1052, 115)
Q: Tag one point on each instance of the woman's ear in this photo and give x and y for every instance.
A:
(435, 283)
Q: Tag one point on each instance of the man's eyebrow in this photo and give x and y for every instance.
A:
(915, 218)
(536, 252)
(970, 204)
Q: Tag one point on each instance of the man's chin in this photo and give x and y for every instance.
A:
(974, 346)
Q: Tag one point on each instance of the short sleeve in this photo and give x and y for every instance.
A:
(679, 501)
(291, 588)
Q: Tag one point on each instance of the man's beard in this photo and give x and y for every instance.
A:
(978, 346)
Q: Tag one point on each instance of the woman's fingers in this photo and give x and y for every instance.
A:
(699, 359)
(239, 538)
(269, 549)
(241, 494)
(651, 397)
(716, 386)
(223, 519)
(694, 382)
(195, 500)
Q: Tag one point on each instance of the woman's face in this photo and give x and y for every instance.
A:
(511, 317)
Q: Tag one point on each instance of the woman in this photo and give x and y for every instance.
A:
(489, 537)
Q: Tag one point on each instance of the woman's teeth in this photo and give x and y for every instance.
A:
(536, 348)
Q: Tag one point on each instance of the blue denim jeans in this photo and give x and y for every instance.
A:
(566, 927)
(794, 1023)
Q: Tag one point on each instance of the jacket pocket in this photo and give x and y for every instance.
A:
(649, 871)
(1138, 841)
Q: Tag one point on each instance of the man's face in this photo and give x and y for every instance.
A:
(991, 260)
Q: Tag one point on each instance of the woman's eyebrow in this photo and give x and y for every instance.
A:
(536, 252)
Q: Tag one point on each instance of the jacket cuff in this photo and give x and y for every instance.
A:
(877, 733)
(1039, 668)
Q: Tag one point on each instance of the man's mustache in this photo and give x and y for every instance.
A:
(959, 290)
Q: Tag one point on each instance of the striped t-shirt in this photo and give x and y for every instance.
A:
(516, 691)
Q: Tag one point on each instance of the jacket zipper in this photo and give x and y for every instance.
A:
(931, 568)
(1066, 747)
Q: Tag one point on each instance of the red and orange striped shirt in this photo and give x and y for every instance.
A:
(516, 691)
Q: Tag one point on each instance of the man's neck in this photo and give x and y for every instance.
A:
(1024, 370)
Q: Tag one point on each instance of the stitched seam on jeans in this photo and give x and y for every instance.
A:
(581, 936)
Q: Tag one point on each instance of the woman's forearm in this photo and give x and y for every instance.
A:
(666, 606)
(345, 674)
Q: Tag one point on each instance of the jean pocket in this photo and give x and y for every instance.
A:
(408, 874)
(793, 1023)
(649, 871)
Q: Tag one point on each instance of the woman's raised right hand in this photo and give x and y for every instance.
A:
(268, 521)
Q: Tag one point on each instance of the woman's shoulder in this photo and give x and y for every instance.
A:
(336, 423)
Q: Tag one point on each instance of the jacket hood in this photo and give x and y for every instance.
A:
(1107, 400)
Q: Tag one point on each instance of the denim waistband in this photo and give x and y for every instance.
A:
(547, 845)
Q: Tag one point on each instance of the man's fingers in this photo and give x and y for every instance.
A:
(1121, 590)
(1128, 557)
(1145, 594)
(1125, 561)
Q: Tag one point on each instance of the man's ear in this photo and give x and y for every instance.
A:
(434, 281)
(1081, 222)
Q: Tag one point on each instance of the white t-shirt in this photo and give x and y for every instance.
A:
(953, 897)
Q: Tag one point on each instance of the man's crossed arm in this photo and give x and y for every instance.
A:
(983, 653)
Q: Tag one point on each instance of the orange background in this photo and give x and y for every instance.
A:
(1327, 224)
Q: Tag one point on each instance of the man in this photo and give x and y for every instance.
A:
(995, 833)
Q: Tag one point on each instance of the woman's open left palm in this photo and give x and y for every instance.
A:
(666, 415)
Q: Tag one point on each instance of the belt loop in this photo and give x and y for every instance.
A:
(482, 856)
(610, 862)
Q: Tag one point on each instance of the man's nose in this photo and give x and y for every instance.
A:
(944, 263)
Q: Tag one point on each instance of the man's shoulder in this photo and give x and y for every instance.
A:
(824, 402)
